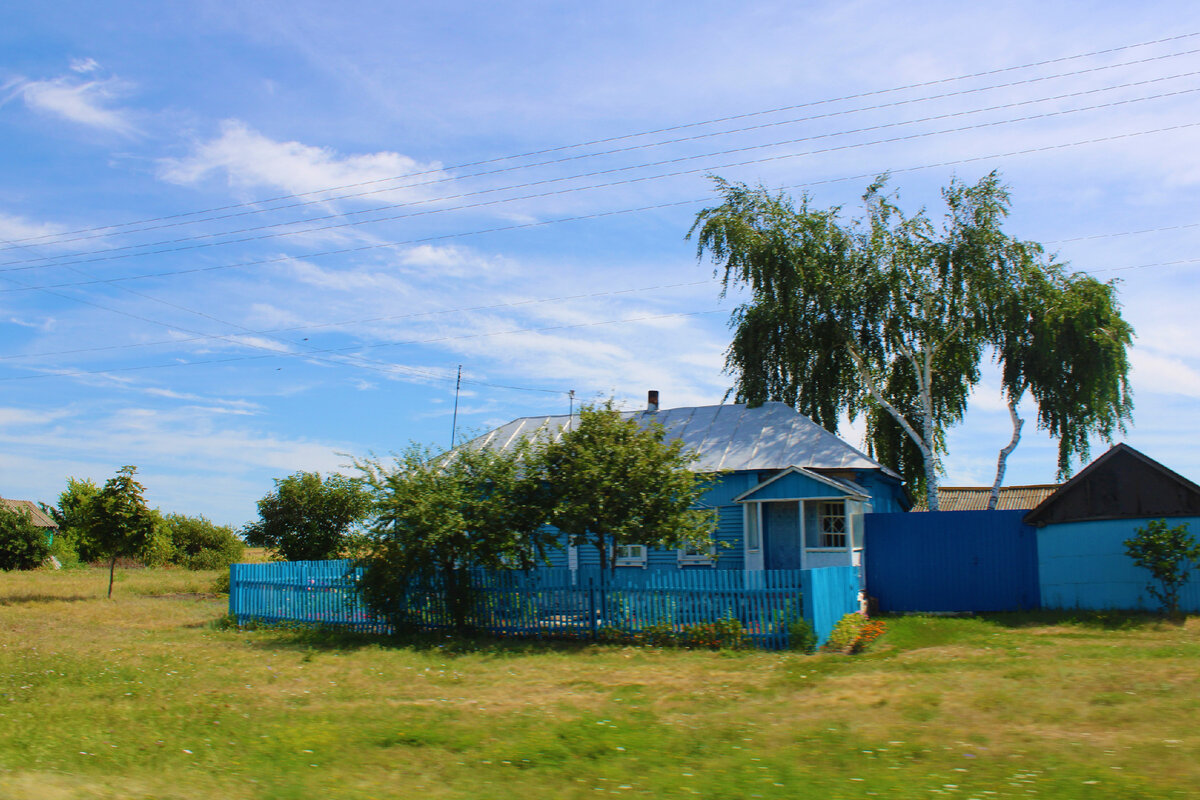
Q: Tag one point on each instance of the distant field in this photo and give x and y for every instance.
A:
(145, 697)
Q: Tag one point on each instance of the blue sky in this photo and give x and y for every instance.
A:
(159, 306)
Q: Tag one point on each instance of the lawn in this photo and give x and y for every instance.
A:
(148, 696)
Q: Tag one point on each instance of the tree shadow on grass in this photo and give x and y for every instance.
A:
(24, 599)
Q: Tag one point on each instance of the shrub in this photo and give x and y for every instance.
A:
(199, 544)
(801, 636)
(1168, 554)
(23, 545)
(853, 633)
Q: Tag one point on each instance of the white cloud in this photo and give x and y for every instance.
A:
(84, 65)
(15, 228)
(1162, 374)
(250, 160)
(85, 103)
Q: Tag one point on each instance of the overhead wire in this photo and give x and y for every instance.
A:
(360, 321)
(257, 210)
(345, 348)
(595, 215)
(196, 244)
(622, 137)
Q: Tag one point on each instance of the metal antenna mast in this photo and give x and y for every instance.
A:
(454, 421)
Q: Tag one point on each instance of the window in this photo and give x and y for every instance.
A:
(753, 535)
(696, 555)
(630, 555)
(832, 521)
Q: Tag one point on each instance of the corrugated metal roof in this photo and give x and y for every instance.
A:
(726, 437)
(975, 498)
(36, 514)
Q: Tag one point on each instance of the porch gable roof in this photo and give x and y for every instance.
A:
(796, 483)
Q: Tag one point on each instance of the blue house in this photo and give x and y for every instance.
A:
(791, 495)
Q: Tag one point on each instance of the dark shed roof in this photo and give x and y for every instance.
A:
(1121, 484)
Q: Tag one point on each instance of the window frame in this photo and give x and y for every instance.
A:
(832, 539)
(628, 560)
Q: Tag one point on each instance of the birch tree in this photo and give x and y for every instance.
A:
(1060, 338)
(887, 315)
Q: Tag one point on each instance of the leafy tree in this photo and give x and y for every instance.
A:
(891, 315)
(309, 518)
(435, 518)
(23, 545)
(1062, 339)
(1169, 554)
(71, 516)
(117, 523)
(196, 543)
(614, 482)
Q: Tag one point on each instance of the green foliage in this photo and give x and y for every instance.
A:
(309, 518)
(852, 633)
(722, 634)
(117, 522)
(613, 482)
(890, 315)
(435, 518)
(1169, 554)
(198, 544)
(220, 584)
(801, 636)
(23, 545)
(71, 514)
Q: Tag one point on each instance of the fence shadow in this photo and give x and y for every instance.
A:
(328, 638)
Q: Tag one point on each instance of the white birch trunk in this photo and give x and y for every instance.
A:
(1005, 452)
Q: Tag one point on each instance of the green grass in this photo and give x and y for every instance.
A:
(150, 696)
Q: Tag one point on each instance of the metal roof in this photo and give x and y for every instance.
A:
(725, 437)
(37, 516)
(975, 498)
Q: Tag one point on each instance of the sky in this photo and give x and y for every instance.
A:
(243, 240)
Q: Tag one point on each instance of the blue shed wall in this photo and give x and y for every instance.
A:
(951, 561)
(1083, 565)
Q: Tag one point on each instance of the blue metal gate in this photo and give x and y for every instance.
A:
(951, 561)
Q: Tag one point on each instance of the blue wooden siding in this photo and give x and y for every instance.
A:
(1083, 565)
(730, 531)
(951, 561)
(558, 602)
(793, 486)
(885, 493)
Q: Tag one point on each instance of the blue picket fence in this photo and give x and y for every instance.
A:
(559, 602)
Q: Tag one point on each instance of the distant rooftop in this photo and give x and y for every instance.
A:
(975, 498)
(726, 437)
(36, 514)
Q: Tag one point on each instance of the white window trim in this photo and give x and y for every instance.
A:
(708, 559)
(753, 510)
(631, 561)
(821, 533)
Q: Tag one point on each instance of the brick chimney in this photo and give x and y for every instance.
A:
(652, 401)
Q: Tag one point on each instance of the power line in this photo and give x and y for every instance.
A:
(668, 129)
(327, 350)
(255, 210)
(343, 323)
(17, 265)
(592, 216)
